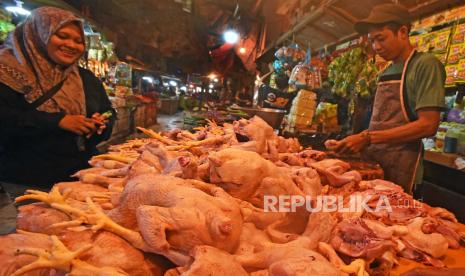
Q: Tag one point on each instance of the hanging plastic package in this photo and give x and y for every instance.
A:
(278, 66)
(291, 55)
(274, 98)
(300, 76)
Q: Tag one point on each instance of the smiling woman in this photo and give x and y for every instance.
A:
(50, 109)
(67, 45)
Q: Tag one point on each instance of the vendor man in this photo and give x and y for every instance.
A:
(409, 96)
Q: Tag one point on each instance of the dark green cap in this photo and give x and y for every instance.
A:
(384, 13)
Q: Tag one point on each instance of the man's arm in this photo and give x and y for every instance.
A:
(425, 126)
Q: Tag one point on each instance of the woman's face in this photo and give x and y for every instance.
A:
(66, 45)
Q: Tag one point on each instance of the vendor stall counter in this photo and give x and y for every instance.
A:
(443, 183)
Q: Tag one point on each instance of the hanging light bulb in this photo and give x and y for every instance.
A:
(231, 36)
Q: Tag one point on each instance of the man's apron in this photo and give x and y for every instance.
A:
(390, 110)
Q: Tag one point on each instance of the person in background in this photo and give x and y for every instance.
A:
(409, 97)
(52, 113)
(243, 97)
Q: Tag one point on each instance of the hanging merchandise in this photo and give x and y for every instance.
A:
(274, 98)
(5, 25)
(278, 81)
(441, 41)
(459, 34)
(302, 110)
(291, 55)
(305, 77)
(366, 82)
(326, 117)
(451, 74)
(344, 71)
(299, 76)
(278, 66)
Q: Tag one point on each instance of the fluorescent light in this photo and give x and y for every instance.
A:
(173, 83)
(231, 36)
(149, 79)
(18, 9)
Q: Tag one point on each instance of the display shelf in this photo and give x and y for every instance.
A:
(440, 158)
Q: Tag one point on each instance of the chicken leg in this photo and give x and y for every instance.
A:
(59, 257)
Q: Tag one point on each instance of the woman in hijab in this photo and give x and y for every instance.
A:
(50, 109)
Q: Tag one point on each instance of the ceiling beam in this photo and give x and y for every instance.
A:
(302, 23)
(342, 14)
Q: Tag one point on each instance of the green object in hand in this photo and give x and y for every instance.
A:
(107, 114)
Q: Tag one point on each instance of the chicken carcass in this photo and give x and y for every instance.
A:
(210, 261)
(11, 262)
(256, 131)
(354, 238)
(248, 176)
(110, 250)
(38, 218)
(433, 244)
(173, 215)
(288, 260)
(335, 172)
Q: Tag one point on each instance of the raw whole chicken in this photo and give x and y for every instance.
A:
(210, 261)
(173, 215)
(248, 176)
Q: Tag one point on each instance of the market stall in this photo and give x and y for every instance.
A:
(341, 103)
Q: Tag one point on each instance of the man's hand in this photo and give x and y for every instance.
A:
(353, 144)
(77, 124)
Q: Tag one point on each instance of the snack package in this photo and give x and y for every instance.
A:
(302, 109)
(451, 74)
(442, 57)
(416, 40)
(300, 76)
(442, 40)
(426, 41)
(292, 54)
(459, 34)
(461, 71)
(455, 53)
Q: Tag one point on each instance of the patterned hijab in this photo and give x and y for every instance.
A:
(38, 75)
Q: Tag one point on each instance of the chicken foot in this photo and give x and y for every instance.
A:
(99, 221)
(116, 157)
(59, 257)
(356, 267)
(54, 196)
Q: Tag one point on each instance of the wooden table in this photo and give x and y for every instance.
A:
(454, 258)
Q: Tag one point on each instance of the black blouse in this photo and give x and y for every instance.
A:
(34, 150)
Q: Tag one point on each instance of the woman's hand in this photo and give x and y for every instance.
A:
(78, 124)
(101, 122)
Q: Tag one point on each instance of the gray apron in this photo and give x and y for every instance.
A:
(390, 110)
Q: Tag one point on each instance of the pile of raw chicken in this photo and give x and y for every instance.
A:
(183, 203)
